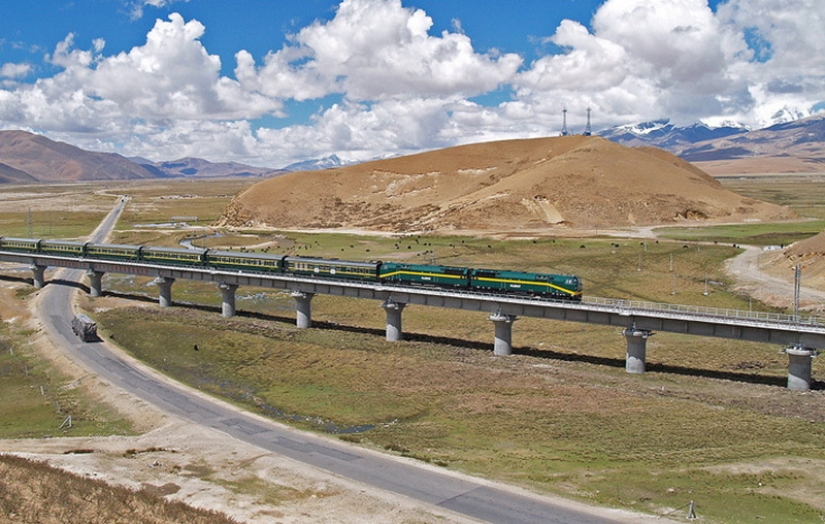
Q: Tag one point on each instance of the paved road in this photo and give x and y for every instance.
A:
(464, 495)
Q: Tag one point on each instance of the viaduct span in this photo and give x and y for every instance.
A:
(800, 337)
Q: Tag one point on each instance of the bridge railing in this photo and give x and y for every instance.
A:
(704, 311)
(628, 307)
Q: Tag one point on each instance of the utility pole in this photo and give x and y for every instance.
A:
(797, 277)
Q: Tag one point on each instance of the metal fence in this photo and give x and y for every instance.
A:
(755, 317)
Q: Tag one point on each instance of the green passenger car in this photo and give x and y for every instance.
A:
(112, 251)
(172, 255)
(422, 275)
(330, 268)
(244, 261)
(62, 247)
(23, 245)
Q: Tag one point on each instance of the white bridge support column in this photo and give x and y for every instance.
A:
(799, 367)
(165, 286)
(393, 309)
(38, 275)
(636, 349)
(303, 303)
(503, 345)
(95, 282)
(228, 299)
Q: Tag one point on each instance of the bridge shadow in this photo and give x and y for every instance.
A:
(58, 281)
(544, 354)
(656, 367)
(487, 347)
(22, 280)
(69, 283)
(722, 375)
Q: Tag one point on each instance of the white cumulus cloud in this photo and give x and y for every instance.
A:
(9, 70)
(678, 59)
(386, 84)
(376, 50)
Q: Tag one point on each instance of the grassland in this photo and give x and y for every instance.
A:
(711, 421)
(805, 194)
(37, 399)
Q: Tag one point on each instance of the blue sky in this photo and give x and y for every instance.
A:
(270, 82)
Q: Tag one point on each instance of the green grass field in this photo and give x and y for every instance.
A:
(560, 415)
(37, 399)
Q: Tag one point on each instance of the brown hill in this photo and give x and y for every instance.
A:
(810, 255)
(518, 185)
(10, 175)
(45, 160)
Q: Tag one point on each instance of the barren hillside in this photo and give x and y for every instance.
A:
(809, 254)
(35, 158)
(519, 185)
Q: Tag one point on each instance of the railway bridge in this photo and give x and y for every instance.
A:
(800, 337)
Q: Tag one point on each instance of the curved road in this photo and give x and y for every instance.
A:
(479, 499)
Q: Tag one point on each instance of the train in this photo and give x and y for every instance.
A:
(524, 283)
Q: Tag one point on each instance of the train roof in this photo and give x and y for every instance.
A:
(331, 261)
(242, 254)
(116, 246)
(20, 239)
(162, 249)
(54, 241)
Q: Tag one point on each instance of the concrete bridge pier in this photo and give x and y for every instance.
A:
(504, 333)
(95, 282)
(799, 367)
(304, 308)
(228, 299)
(165, 286)
(38, 275)
(393, 309)
(636, 349)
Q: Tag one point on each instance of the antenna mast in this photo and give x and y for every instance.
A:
(564, 131)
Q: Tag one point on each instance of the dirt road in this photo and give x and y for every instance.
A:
(755, 277)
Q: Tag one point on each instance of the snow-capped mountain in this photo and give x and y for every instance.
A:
(802, 138)
(787, 115)
(663, 134)
(789, 136)
(316, 164)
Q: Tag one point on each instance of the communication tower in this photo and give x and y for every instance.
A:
(564, 131)
(587, 131)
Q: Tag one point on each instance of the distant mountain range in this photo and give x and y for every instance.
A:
(30, 158)
(199, 168)
(665, 135)
(803, 138)
(27, 158)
